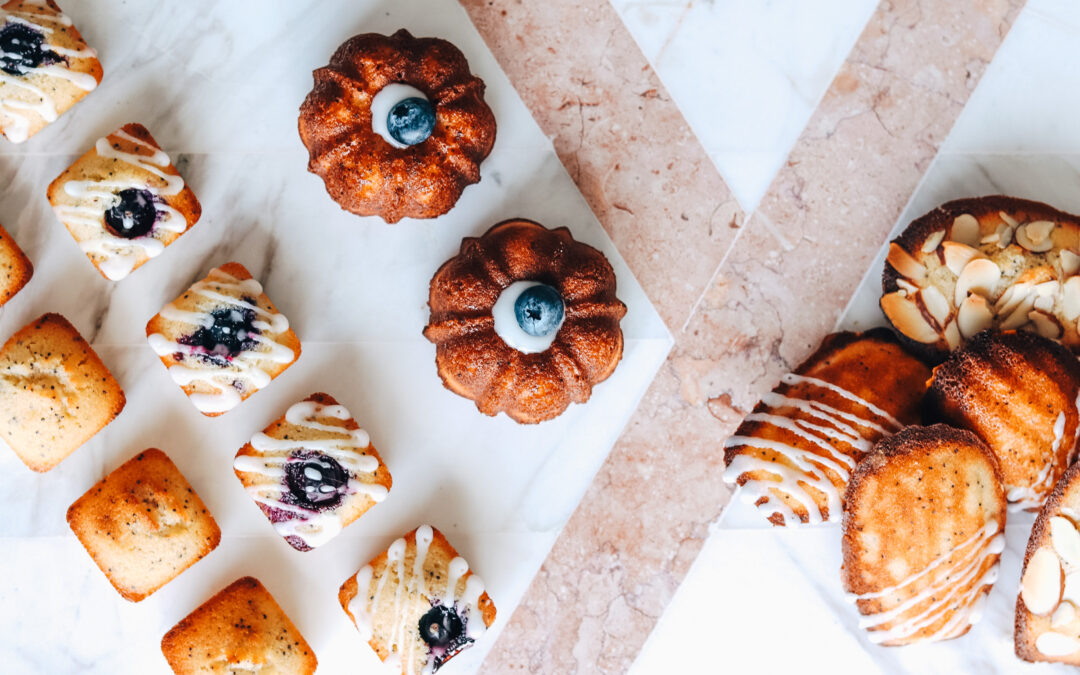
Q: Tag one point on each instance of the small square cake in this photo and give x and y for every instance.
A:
(46, 66)
(418, 604)
(240, 630)
(223, 340)
(312, 472)
(143, 524)
(55, 393)
(124, 201)
(15, 267)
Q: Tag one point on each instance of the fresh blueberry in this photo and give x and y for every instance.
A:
(231, 333)
(539, 310)
(411, 121)
(23, 48)
(134, 216)
(315, 481)
(440, 626)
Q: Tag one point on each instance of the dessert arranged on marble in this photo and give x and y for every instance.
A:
(1019, 392)
(923, 530)
(45, 67)
(143, 524)
(241, 629)
(418, 604)
(223, 340)
(793, 455)
(55, 392)
(1048, 604)
(124, 201)
(988, 262)
(525, 321)
(396, 126)
(312, 472)
(14, 266)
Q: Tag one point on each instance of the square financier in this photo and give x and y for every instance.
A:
(124, 201)
(312, 472)
(143, 524)
(241, 629)
(55, 393)
(46, 66)
(417, 604)
(223, 340)
(15, 267)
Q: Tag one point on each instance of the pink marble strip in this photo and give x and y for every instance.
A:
(786, 280)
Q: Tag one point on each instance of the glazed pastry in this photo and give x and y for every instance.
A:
(242, 629)
(923, 530)
(15, 267)
(1048, 604)
(418, 604)
(1019, 393)
(45, 67)
(793, 455)
(55, 392)
(143, 524)
(223, 340)
(312, 472)
(396, 126)
(525, 321)
(990, 262)
(124, 201)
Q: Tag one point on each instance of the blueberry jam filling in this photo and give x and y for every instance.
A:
(231, 332)
(539, 310)
(315, 481)
(443, 629)
(133, 216)
(22, 48)
(411, 121)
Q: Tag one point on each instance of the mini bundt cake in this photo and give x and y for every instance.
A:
(397, 126)
(525, 321)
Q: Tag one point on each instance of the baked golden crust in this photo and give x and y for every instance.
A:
(362, 171)
(924, 514)
(1018, 392)
(476, 363)
(1015, 262)
(15, 267)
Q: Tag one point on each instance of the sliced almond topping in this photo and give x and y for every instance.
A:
(952, 335)
(908, 318)
(932, 242)
(1071, 298)
(965, 229)
(1070, 262)
(1012, 222)
(1019, 316)
(1046, 325)
(1056, 644)
(1012, 297)
(957, 255)
(1026, 237)
(903, 263)
(991, 238)
(974, 316)
(907, 286)
(978, 276)
(1041, 585)
(1064, 614)
(1038, 231)
(1005, 236)
(936, 304)
(1066, 540)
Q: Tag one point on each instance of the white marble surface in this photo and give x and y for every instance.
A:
(219, 85)
(1018, 135)
(746, 75)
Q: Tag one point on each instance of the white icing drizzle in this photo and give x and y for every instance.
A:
(384, 101)
(405, 637)
(950, 589)
(1032, 496)
(119, 254)
(314, 528)
(837, 427)
(507, 326)
(18, 111)
(243, 367)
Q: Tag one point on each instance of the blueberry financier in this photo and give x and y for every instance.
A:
(45, 67)
(124, 201)
(15, 267)
(223, 340)
(418, 604)
(312, 472)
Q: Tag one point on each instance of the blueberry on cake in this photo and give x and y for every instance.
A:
(55, 392)
(223, 340)
(124, 201)
(15, 267)
(242, 629)
(143, 524)
(417, 604)
(312, 472)
(45, 67)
